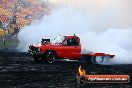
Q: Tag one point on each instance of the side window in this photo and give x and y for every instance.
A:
(71, 42)
(74, 42)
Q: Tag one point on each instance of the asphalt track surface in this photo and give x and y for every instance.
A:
(18, 70)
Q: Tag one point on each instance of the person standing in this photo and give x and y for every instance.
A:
(16, 29)
(10, 21)
(14, 19)
(4, 42)
(1, 24)
(5, 26)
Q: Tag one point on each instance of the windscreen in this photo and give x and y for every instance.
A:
(58, 40)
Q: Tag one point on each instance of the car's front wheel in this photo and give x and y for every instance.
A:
(50, 56)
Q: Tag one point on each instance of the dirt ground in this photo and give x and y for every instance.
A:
(18, 70)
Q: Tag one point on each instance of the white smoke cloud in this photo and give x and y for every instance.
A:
(99, 31)
(62, 21)
(112, 41)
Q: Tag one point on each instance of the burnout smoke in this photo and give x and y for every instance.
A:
(102, 28)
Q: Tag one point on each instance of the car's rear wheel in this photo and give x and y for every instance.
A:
(50, 57)
(98, 60)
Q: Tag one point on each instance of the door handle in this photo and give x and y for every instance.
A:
(75, 47)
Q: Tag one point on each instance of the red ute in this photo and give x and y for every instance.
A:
(66, 47)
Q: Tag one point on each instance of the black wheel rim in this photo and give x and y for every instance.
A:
(50, 57)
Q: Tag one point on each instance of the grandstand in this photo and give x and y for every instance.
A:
(25, 12)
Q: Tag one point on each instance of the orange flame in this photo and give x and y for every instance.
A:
(81, 71)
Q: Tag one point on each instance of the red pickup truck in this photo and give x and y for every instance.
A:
(66, 47)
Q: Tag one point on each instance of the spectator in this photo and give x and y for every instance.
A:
(1, 24)
(5, 26)
(4, 41)
(16, 29)
(10, 21)
(14, 19)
